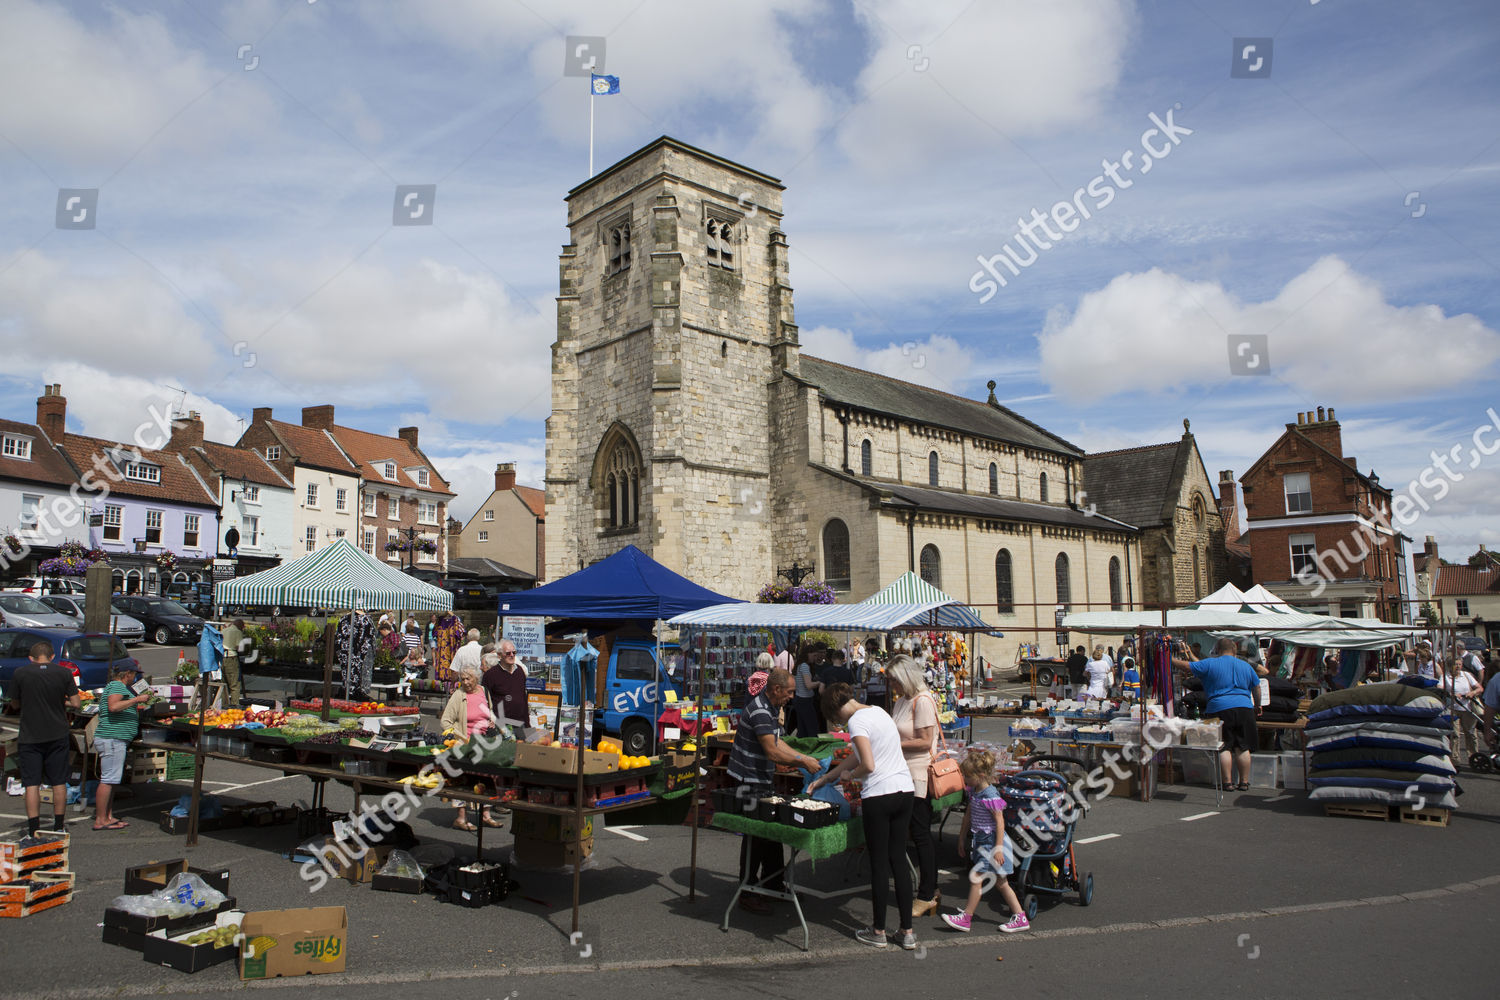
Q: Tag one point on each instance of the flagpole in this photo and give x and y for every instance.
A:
(591, 128)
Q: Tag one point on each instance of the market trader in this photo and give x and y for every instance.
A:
(753, 757)
(1231, 686)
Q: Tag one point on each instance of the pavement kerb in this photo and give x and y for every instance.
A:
(840, 952)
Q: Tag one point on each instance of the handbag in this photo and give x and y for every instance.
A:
(943, 775)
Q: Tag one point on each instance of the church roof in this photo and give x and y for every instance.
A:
(1132, 484)
(907, 401)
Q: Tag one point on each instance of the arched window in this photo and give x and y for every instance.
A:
(932, 469)
(994, 478)
(1115, 603)
(866, 461)
(836, 554)
(1064, 587)
(1197, 593)
(1004, 595)
(1042, 492)
(618, 479)
(931, 566)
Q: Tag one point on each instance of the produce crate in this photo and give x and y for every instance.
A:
(147, 765)
(180, 767)
(315, 822)
(267, 754)
(808, 819)
(40, 891)
(142, 879)
(677, 771)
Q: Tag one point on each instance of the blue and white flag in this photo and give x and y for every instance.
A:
(602, 86)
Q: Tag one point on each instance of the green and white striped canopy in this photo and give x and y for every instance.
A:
(940, 610)
(336, 577)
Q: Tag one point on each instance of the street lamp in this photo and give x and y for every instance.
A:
(797, 573)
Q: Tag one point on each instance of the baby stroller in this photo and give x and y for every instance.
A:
(1037, 806)
(1481, 761)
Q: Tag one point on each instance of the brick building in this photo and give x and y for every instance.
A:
(1319, 529)
(1463, 594)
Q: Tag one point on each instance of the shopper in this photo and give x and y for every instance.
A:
(982, 829)
(505, 682)
(808, 688)
(885, 804)
(1130, 677)
(1463, 687)
(413, 668)
(1100, 676)
(837, 671)
(1468, 661)
(916, 716)
(234, 643)
(753, 757)
(467, 713)
(1231, 686)
(118, 724)
(43, 692)
(1075, 671)
(1491, 705)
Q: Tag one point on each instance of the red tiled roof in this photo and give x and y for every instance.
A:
(242, 463)
(1456, 581)
(312, 446)
(533, 498)
(367, 449)
(46, 465)
(179, 483)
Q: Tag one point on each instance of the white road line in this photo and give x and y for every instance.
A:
(624, 831)
(831, 894)
(1095, 840)
(252, 784)
(1189, 819)
(1278, 798)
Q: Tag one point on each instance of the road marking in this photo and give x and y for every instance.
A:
(1095, 840)
(831, 893)
(1189, 819)
(252, 784)
(1278, 798)
(624, 831)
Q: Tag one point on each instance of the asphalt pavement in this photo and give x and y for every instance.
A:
(1262, 896)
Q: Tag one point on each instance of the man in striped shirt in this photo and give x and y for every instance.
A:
(756, 751)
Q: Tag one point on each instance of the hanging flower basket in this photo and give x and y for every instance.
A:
(807, 592)
(13, 543)
(402, 545)
(72, 560)
(166, 560)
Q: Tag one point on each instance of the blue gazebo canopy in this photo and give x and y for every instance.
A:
(626, 585)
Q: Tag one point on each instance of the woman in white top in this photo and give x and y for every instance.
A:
(885, 799)
(1100, 676)
(1462, 685)
(915, 713)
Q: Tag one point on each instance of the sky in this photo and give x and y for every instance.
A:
(197, 207)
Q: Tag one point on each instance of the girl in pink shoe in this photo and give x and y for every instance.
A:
(984, 827)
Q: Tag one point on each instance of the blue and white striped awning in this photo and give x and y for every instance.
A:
(861, 617)
(337, 577)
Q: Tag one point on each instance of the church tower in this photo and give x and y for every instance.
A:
(674, 321)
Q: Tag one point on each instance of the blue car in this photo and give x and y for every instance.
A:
(88, 654)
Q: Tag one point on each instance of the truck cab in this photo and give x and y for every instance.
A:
(631, 689)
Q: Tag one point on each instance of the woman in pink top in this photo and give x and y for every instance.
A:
(468, 712)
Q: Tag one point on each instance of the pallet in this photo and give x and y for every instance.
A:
(1359, 811)
(1426, 817)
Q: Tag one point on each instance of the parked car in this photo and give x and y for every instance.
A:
(23, 609)
(51, 585)
(1472, 644)
(128, 629)
(197, 598)
(87, 654)
(166, 621)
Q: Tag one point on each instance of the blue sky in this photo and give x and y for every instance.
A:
(1343, 207)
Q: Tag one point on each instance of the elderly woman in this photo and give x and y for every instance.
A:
(915, 713)
(118, 725)
(468, 712)
(1461, 684)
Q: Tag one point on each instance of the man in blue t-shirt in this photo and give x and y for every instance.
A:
(1491, 704)
(1232, 687)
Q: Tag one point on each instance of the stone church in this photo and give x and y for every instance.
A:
(686, 421)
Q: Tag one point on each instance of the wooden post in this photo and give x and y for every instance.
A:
(698, 744)
(577, 800)
(98, 583)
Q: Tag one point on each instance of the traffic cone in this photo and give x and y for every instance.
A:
(181, 659)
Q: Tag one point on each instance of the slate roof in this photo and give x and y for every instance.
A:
(1458, 581)
(881, 394)
(366, 449)
(312, 447)
(486, 568)
(46, 465)
(179, 483)
(1132, 484)
(241, 463)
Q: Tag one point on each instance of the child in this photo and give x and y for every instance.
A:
(1130, 677)
(985, 820)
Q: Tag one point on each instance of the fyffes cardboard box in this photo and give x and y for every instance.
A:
(302, 942)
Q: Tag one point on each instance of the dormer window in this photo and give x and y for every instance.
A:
(420, 475)
(16, 447)
(273, 452)
(140, 472)
(389, 471)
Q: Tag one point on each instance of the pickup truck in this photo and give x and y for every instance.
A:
(631, 690)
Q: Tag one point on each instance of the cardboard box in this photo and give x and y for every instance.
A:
(135, 923)
(147, 878)
(169, 948)
(548, 854)
(557, 829)
(564, 760)
(45, 842)
(305, 942)
(362, 870)
(39, 891)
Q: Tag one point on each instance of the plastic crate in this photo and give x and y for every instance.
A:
(1265, 770)
(179, 767)
(1294, 770)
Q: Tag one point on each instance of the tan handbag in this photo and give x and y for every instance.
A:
(943, 775)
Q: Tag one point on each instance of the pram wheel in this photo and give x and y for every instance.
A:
(1028, 906)
(1086, 894)
(1480, 761)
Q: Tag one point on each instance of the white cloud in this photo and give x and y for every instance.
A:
(107, 405)
(938, 361)
(96, 92)
(1332, 336)
(471, 473)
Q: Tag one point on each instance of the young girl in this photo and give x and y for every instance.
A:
(985, 821)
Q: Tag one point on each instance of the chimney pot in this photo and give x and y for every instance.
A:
(505, 476)
(1330, 413)
(52, 413)
(1320, 414)
(318, 417)
(1301, 419)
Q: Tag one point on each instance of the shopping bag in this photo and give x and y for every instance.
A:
(943, 775)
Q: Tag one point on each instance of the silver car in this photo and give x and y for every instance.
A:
(28, 612)
(127, 629)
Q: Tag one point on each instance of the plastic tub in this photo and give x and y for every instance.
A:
(1265, 769)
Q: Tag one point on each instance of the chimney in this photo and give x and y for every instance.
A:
(1229, 511)
(187, 432)
(318, 417)
(1430, 547)
(407, 434)
(505, 476)
(1323, 429)
(260, 413)
(1320, 414)
(1301, 418)
(52, 412)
